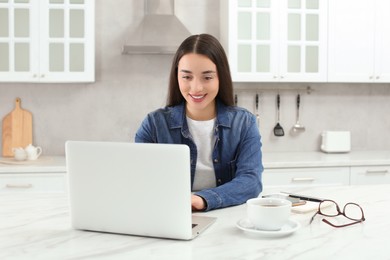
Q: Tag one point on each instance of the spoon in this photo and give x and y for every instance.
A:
(298, 126)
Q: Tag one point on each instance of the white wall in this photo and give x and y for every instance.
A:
(127, 87)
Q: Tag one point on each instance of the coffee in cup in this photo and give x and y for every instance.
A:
(268, 213)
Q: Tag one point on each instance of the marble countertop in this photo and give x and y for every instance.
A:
(37, 226)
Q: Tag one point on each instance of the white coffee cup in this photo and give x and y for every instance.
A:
(268, 213)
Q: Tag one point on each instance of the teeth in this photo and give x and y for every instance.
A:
(198, 97)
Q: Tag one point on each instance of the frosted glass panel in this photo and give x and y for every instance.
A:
(244, 3)
(22, 1)
(4, 22)
(244, 54)
(294, 4)
(294, 27)
(312, 4)
(3, 1)
(244, 26)
(263, 26)
(22, 21)
(22, 57)
(263, 60)
(312, 59)
(312, 27)
(76, 23)
(77, 1)
(56, 54)
(56, 1)
(76, 57)
(56, 23)
(4, 54)
(294, 59)
(263, 3)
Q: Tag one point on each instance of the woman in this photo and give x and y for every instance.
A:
(224, 140)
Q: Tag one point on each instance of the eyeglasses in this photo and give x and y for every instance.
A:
(330, 208)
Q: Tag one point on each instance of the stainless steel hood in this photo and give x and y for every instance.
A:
(160, 31)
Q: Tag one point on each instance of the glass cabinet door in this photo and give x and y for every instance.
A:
(68, 50)
(47, 41)
(303, 42)
(256, 37)
(17, 40)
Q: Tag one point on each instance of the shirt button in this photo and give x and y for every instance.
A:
(216, 160)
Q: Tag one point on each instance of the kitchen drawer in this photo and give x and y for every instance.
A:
(34, 182)
(306, 176)
(370, 174)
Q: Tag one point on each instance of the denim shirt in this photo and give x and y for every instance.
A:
(236, 155)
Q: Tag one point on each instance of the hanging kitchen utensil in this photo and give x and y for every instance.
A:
(257, 110)
(17, 129)
(298, 126)
(278, 130)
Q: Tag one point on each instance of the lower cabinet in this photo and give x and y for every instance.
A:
(300, 177)
(33, 182)
(370, 175)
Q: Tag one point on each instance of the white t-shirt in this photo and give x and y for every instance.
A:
(202, 133)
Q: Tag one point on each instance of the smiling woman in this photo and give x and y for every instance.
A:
(224, 140)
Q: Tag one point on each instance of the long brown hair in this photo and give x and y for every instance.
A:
(208, 45)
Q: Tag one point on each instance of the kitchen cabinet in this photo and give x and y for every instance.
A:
(370, 174)
(47, 41)
(47, 174)
(305, 177)
(359, 41)
(275, 41)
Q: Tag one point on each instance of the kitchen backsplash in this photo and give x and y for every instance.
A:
(127, 87)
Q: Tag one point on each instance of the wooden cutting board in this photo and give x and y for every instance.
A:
(17, 129)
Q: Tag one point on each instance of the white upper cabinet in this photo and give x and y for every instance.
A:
(359, 41)
(275, 40)
(47, 41)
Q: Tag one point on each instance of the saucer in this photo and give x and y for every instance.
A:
(290, 227)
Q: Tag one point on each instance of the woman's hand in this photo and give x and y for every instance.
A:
(198, 203)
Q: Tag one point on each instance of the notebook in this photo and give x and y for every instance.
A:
(132, 188)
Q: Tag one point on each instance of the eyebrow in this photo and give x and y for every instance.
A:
(204, 72)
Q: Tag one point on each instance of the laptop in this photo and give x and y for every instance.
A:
(132, 188)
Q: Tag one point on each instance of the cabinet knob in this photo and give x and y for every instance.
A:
(377, 77)
(35, 75)
(371, 77)
(43, 75)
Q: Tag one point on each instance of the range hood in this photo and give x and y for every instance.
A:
(160, 31)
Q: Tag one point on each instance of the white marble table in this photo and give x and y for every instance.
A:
(37, 226)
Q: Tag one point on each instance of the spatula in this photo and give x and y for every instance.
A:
(278, 130)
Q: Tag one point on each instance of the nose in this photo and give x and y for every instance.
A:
(196, 86)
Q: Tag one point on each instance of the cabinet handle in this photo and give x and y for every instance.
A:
(18, 186)
(376, 171)
(302, 179)
(371, 77)
(377, 77)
